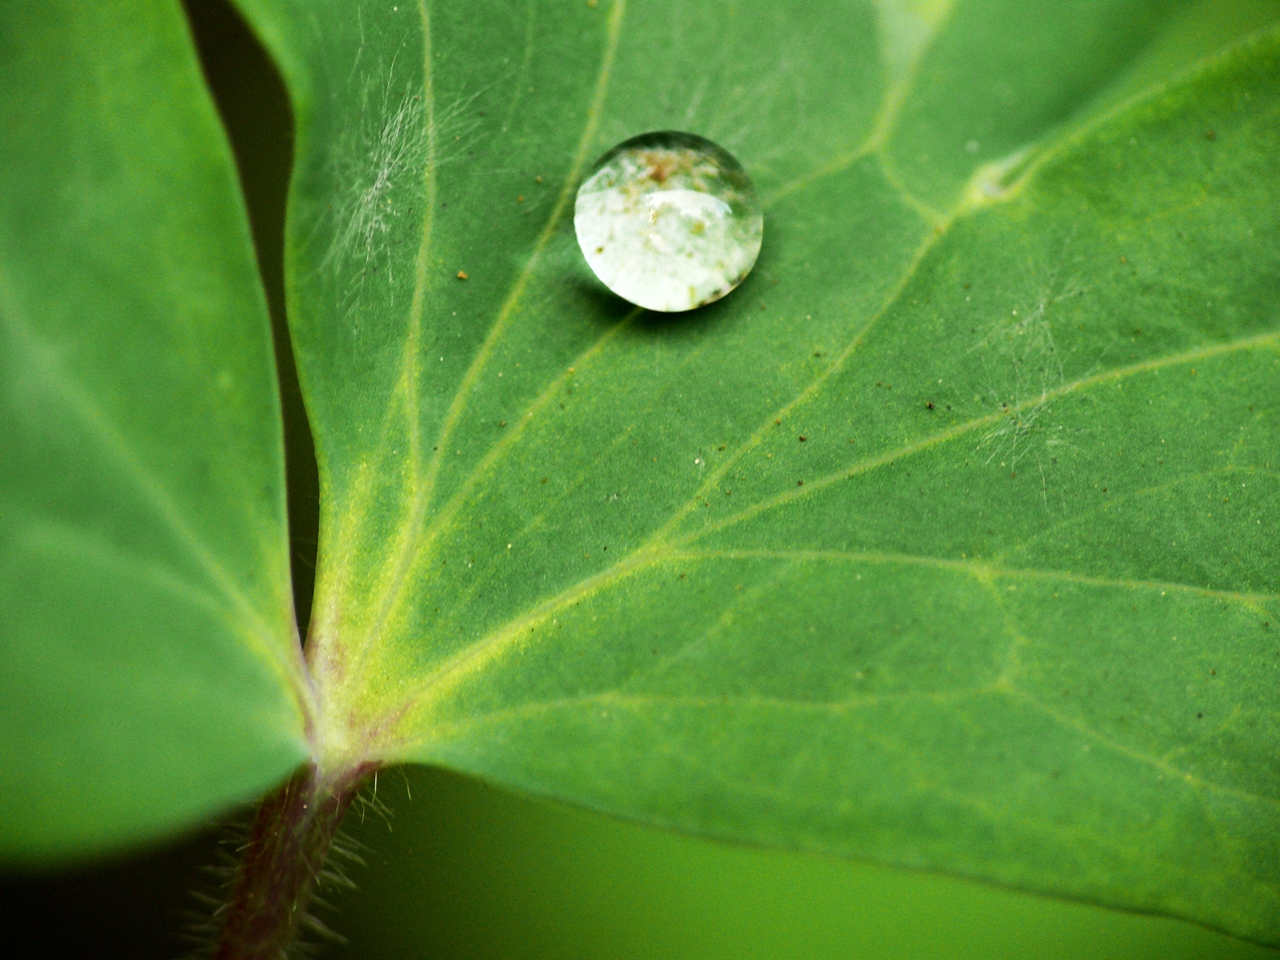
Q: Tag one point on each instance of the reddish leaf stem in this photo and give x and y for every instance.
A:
(282, 861)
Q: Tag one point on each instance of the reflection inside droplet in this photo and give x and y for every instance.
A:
(669, 221)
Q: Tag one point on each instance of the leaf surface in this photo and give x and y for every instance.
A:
(949, 539)
(149, 669)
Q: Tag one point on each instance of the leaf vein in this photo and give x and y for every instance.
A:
(411, 529)
(974, 568)
(1263, 341)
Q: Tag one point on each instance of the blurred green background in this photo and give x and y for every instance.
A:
(466, 871)
(463, 871)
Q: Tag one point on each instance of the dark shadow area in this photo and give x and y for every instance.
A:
(138, 908)
(608, 309)
(254, 105)
(603, 306)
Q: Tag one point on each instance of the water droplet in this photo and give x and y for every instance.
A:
(669, 221)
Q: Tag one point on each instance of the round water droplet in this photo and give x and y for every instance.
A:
(669, 221)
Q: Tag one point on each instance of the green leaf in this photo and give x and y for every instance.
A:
(948, 540)
(149, 669)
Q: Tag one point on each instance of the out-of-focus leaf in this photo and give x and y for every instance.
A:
(149, 669)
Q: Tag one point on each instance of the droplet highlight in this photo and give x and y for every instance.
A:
(669, 221)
